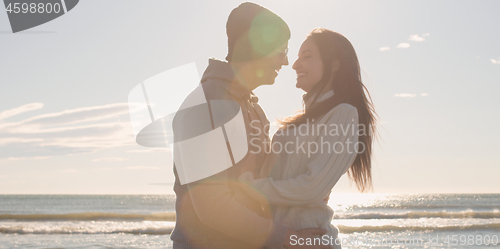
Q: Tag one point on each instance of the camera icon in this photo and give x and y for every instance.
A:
(205, 136)
(26, 14)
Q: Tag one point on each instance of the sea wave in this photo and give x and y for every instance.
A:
(170, 216)
(384, 228)
(422, 206)
(417, 214)
(153, 228)
(75, 230)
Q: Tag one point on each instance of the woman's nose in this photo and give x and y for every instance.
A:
(296, 65)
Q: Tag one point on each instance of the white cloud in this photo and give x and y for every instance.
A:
(416, 38)
(404, 45)
(426, 34)
(107, 169)
(384, 48)
(110, 159)
(11, 140)
(70, 171)
(27, 158)
(410, 95)
(42, 132)
(149, 150)
(20, 109)
(61, 133)
(162, 184)
(143, 168)
(2, 176)
(495, 61)
(78, 115)
(41, 157)
(16, 158)
(405, 95)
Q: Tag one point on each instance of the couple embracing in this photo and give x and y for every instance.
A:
(276, 195)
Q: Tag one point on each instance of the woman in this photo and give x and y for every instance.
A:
(314, 148)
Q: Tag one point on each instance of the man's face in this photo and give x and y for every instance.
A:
(267, 68)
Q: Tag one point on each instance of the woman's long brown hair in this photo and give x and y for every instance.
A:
(348, 88)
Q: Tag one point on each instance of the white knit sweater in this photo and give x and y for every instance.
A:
(299, 179)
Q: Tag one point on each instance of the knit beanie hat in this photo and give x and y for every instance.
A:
(254, 32)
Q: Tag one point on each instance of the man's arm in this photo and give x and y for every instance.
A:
(215, 205)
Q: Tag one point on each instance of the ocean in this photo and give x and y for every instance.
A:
(146, 221)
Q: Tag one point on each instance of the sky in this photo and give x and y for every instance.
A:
(431, 67)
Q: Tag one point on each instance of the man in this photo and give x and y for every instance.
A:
(212, 212)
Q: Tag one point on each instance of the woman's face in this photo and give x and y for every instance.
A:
(309, 66)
